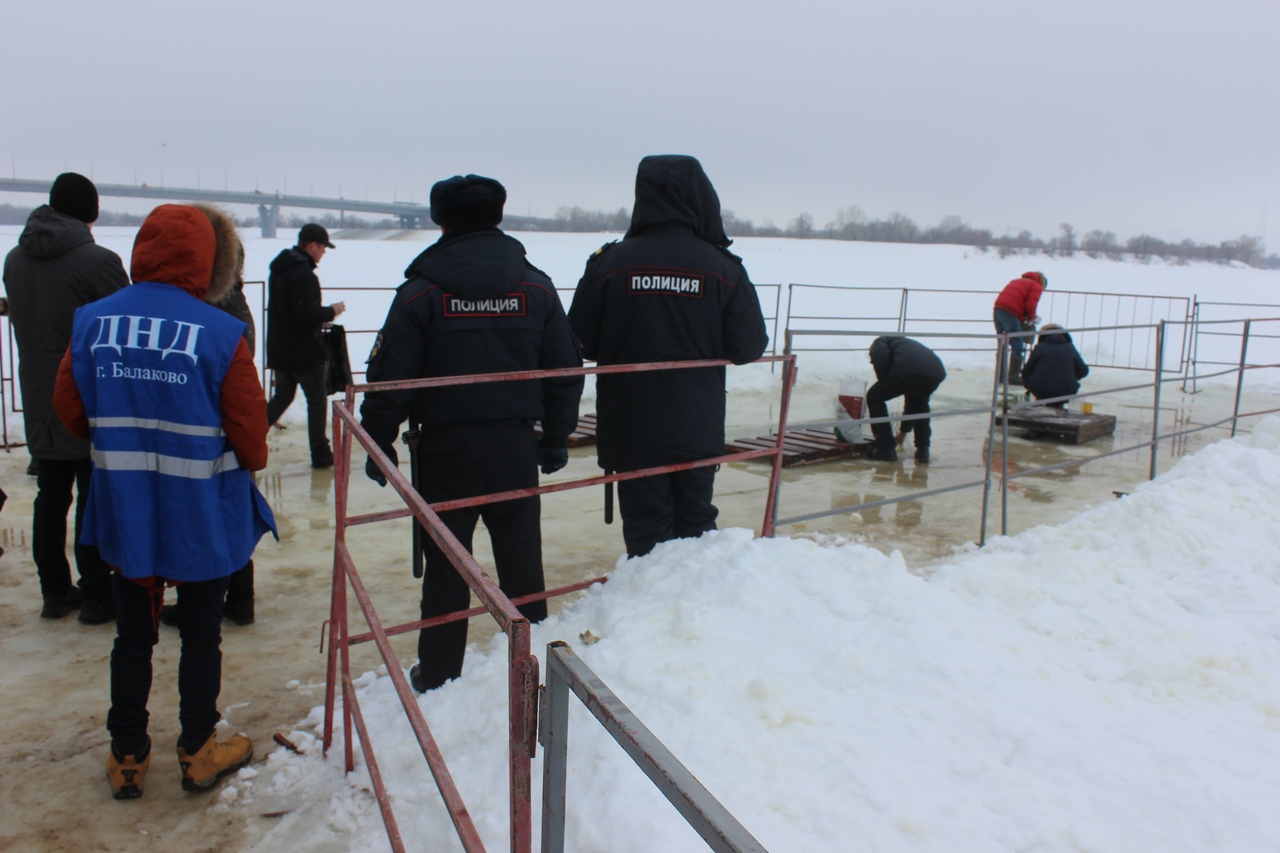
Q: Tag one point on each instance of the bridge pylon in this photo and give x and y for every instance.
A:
(269, 219)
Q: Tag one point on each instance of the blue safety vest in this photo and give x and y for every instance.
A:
(167, 497)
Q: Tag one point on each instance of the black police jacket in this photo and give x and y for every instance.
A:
(473, 304)
(898, 356)
(1054, 368)
(294, 313)
(669, 291)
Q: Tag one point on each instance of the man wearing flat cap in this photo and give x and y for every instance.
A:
(294, 349)
(473, 303)
(56, 268)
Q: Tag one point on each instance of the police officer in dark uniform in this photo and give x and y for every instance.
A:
(669, 291)
(474, 304)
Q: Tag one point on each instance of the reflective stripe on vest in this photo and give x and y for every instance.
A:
(154, 423)
(173, 466)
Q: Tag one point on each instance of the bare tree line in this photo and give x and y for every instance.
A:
(850, 223)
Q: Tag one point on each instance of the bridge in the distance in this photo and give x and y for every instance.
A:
(408, 214)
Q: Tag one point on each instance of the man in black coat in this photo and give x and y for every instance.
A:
(669, 291)
(55, 268)
(294, 349)
(908, 369)
(1055, 367)
(474, 304)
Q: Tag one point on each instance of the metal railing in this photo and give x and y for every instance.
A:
(522, 665)
(701, 810)
(1002, 404)
(1212, 348)
(1116, 323)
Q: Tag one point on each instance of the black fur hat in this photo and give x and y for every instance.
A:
(467, 203)
(74, 195)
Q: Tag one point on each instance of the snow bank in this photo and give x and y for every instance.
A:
(1109, 684)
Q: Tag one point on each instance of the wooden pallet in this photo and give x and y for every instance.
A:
(1060, 424)
(583, 436)
(802, 447)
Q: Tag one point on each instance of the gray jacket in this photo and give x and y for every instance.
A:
(55, 268)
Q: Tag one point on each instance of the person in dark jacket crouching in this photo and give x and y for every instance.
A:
(1055, 367)
(163, 386)
(908, 369)
(474, 304)
(669, 291)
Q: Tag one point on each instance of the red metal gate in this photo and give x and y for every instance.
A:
(523, 675)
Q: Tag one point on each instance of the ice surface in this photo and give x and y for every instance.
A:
(1108, 683)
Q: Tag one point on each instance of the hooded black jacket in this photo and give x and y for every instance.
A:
(294, 313)
(669, 291)
(899, 356)
(473, 304)
(55, 268)
(1055, 367)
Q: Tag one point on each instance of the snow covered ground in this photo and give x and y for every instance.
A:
(1108, 684)
(1105, 684)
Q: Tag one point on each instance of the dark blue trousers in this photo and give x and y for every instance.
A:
(199, 667)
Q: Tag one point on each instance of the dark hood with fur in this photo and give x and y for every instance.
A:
(673, 193)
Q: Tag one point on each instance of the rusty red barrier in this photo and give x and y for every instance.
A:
(523, 673)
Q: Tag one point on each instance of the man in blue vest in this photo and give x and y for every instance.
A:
(163, 386)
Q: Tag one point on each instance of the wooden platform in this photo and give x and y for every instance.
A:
(803, 447)
(1060, 424)
(583, 436)
(800, 448)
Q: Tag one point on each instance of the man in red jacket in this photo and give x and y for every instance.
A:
(1015, 306)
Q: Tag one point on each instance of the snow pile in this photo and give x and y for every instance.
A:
(1109, 684)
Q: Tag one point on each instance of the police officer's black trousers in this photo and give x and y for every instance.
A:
(666, 506)
(465, 461)
(916, 390)
(199, 667)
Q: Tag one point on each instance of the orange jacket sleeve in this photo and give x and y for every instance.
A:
(244, 411)
(67, 401)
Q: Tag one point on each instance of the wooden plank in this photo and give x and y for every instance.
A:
(1061, 424)
(799, 447)
(802, 447)
(584, 435)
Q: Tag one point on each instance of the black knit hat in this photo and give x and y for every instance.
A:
(467, 203)
(75, 196)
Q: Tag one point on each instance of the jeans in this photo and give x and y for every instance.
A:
(1006, 322)
(312, 381)
(199, 667)
(54, 482)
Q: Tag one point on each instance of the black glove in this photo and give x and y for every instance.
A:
(371, 469)
(552, 459)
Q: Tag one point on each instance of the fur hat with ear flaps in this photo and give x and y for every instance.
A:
(228, 257)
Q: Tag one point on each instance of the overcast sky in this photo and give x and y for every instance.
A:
(1120, 115)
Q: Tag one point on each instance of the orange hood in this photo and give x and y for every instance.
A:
(175, 246)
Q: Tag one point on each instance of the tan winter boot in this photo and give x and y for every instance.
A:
(127, 772)
(202, 770)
